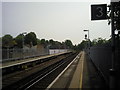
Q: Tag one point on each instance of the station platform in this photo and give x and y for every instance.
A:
(79, 74)
(17, 62)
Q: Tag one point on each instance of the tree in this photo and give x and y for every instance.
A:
(7, 41)
(69, 44)
(99, 41)
(38, 41)
(63, 45)
(57, 45)
(47, 42)
(43, 42)
(31, 39)
(82, 45)
(51, 41)
(19, 40)
(94, 42)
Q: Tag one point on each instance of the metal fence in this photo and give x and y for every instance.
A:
(16, 54)
(101, 56)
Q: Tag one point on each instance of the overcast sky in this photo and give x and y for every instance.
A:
(53, 20)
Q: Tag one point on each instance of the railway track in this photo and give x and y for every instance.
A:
(42, 78)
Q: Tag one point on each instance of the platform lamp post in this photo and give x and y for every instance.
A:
(23, 42)
(88, 38)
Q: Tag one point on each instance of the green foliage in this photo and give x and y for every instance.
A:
(43, 42)
(47, 42)
(38, 41)
(82, 45)
(31, 39)
(51, 41)
(57, 45)
(7, 41)
(99, 41)
(54, 44)
(19, 40)
(69, 44)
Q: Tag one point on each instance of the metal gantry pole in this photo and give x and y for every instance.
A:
(112, 70)
(88, 35)
(113, 35)
(89, 38)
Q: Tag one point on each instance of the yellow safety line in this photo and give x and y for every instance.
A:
(81, 76)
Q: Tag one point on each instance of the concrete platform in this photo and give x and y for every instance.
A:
(16, 62)
(79, 74)
(71, 76)
(77, 78)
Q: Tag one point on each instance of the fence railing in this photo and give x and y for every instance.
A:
(101, 56)
(16, 54)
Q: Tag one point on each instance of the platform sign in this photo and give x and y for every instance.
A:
(99, 12)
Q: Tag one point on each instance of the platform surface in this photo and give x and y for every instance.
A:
(11, 63)
(79, 74)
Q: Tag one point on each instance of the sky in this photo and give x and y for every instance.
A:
(53, 20)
